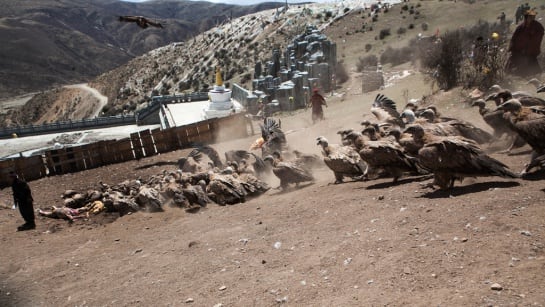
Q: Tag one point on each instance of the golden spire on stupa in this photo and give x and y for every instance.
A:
(219, 81)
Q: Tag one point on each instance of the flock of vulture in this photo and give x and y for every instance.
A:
(414, 142)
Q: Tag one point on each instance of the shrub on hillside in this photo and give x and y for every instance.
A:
(367, 61)
(457, 58)
(383, 33)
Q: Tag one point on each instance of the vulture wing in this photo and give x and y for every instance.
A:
(385, 110)
(460, 157)
(532, 130)
(289, 172)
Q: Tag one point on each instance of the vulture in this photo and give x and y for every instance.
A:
(289, 172)
(195, 195)
(200, 159)
(252, 185)
(529, 123)
(385, 111)
(451, 158)
(496, 88)
(406, 141)
(141, 21)
(525, 100)
(344, 161)
(454, 127)
(384, 154)
(225, 189)
(538, 161)
(496, 120)
(272, 137)
(247, 160)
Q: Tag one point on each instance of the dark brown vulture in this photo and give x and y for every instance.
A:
(451, 158)
(500, 124)
(525, 100)
(385, 155)
(289, 172)
(344, 161)
(529, 123)
(141, 21)
(272, 138)
(517, 94)
(451, 127)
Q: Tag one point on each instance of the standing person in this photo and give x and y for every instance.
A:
(317, 101)
(525, 46)
(22, 198)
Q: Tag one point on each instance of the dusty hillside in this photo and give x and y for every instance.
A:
(358, 243)
(354, 244)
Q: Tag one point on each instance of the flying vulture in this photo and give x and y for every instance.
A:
(141, 21)
(453, 157)
(344, 161)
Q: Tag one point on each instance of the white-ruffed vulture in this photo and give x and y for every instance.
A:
(344, 161)
(451, 158)
(141, 21)
(272, 137)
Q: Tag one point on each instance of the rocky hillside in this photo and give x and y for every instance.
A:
(236, 45)
(55, 42)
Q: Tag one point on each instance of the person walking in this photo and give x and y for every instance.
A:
(316, 102)
(22, 198)
(525, 46)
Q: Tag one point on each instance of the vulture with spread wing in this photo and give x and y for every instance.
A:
(344, 161)
(272, 137)
(141, 21)
(451, 158)
(385, 111)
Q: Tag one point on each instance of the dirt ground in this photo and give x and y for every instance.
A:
(354, 244)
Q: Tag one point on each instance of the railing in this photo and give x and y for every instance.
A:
(70, 125)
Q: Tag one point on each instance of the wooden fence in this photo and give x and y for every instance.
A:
(140, 144)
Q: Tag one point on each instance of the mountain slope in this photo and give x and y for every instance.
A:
(53, 42)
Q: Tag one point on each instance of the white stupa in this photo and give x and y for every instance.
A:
(221, 104)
